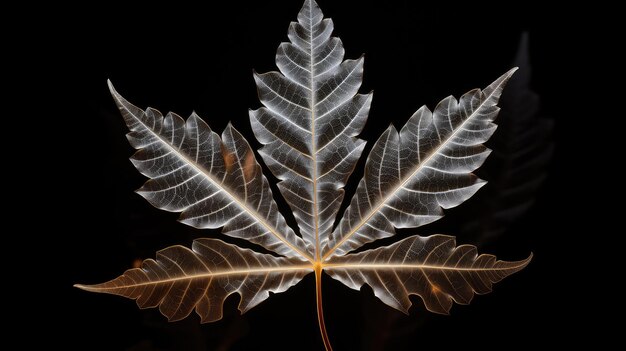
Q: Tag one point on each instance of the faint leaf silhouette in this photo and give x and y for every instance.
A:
(523, 147)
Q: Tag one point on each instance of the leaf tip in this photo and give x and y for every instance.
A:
(229, 126)
(111, 87)
(480, 183)
(85, 287)
(528, 259)
(521, 264)
(256, 75)
(510, 72)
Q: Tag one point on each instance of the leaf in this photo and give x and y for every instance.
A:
(310, 121)
(433, 268)
(309, 124)
(410, 176)
(203, 277)
(213, 182)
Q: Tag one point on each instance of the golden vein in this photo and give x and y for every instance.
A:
(375, 266)
(204, 275)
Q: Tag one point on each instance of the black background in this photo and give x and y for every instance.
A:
(186, 59)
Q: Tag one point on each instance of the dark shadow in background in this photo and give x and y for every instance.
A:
(184, 59)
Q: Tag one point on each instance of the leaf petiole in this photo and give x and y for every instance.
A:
(320, 308)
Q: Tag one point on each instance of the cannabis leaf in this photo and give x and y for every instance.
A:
(309, 124)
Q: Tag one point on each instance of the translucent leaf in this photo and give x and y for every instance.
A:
(181, 280)
(214, 183)
(412, 175)
(433, 268)
(309, 124)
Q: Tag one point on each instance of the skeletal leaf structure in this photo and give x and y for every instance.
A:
(311, 116)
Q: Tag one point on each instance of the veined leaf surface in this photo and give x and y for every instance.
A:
(310, 121)
(308, 125)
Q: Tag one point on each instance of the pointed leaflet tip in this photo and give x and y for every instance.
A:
(494, 90)
(523, 263)
(310, 14)
(114, 92)
(502, 80)
(112, 88)
(91, 288)
(195, 119)
(229, 126)
(505, 77)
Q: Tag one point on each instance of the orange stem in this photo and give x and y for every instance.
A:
(320, 309)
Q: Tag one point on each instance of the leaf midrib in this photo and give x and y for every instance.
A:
(395, 266)
(203, 275)
(324, 266)
(313, 141)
